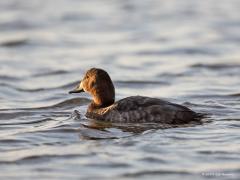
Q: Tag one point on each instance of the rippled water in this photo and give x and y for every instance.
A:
(184, 51)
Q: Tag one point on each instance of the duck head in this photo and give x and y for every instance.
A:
(99, 85)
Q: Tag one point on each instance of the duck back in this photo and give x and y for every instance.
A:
(140, 109)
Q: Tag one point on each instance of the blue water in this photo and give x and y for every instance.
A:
(183, 51)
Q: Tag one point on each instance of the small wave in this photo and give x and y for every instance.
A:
(23, 89)
(65, 86)
(139, 82)
(171, 76)
(32, 90)
(108, 165)
(26, 122)
(206, 96)
(7, 85)
(8, 78)
(76, 16)
(180, 51)
(13, 141)
(216, 66)
(64, 105)
(152, 159)
(155, 172)
(67, 104)
(12, 115)
(17, 24)
(51, 73)
(216, 152)
(71, 103)
(14, 43)
(207, 105)
(89, 133)
(69, 85)
(38, 158)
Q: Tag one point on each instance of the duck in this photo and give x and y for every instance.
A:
(133, 109)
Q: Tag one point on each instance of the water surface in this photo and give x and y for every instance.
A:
(183, 51)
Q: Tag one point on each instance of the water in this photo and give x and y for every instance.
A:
(183, 51)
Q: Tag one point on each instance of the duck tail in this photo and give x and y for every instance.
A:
(199, 116)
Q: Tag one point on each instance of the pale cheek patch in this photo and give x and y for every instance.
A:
(81, 85)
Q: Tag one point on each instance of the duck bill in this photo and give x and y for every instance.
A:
(78, 89)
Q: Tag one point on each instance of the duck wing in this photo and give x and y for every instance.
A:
(140, 109)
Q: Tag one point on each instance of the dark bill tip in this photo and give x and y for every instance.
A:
(76, 91)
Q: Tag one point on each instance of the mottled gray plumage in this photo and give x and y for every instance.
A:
(139, 109)
(134, 109)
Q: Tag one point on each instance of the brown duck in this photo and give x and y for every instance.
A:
(133, 109)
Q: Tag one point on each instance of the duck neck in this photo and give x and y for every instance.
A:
(101, 102)
(104, 99)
